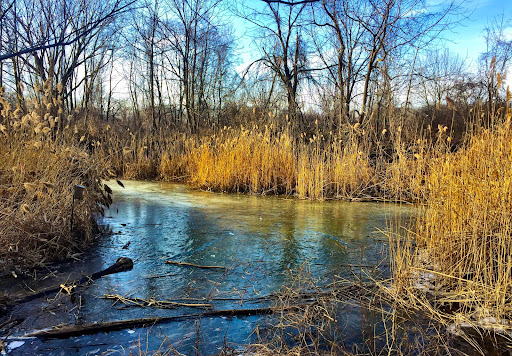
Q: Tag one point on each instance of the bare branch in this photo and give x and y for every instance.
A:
(290, 3)
(80, 33)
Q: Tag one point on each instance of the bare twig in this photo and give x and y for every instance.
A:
(192, 265)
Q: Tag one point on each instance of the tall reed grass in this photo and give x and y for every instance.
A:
(266, 161)
(456, 263)
(37, 176)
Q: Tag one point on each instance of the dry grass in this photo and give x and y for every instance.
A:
(37, 175)
(244, 161)
(324, 325)
(456, 263)
(263, 161)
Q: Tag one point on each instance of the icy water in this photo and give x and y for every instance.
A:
(259, 239)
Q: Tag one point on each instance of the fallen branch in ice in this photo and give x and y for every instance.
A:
(191, 265)
(76, 330)
(122, 264)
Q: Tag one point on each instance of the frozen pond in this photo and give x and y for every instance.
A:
(257, 238)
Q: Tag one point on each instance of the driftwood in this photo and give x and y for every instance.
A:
(66, 331)
(192, 265)
(122, 264)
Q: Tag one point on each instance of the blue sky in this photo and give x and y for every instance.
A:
(467, 39)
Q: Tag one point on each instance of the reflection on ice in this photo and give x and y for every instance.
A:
(257, 238)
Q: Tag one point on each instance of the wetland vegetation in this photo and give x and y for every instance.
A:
(346, 102)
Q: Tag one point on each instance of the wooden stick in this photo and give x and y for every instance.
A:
(83, 329)
(191, 264)
(122, 264)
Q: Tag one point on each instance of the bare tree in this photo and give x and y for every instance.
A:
(55, 38)
(198, 53)
(281, 38)
(367, 37)
(184, 52)
(107, 12)
(146, 23)
(496, 59)
(438, 73)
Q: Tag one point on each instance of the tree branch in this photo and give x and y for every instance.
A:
(115, 11)
(290, 3)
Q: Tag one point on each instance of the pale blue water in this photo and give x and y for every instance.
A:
(258, 238)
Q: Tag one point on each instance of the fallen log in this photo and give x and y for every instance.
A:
(122, 264)
(186, 264)
(66, 331)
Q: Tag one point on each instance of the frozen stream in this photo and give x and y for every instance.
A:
(258, 238)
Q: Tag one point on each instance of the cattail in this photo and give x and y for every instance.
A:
(49, 185)
(29, 187)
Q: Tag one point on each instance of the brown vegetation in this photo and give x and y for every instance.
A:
(37, 176)
(455, 264)
(319, 114)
